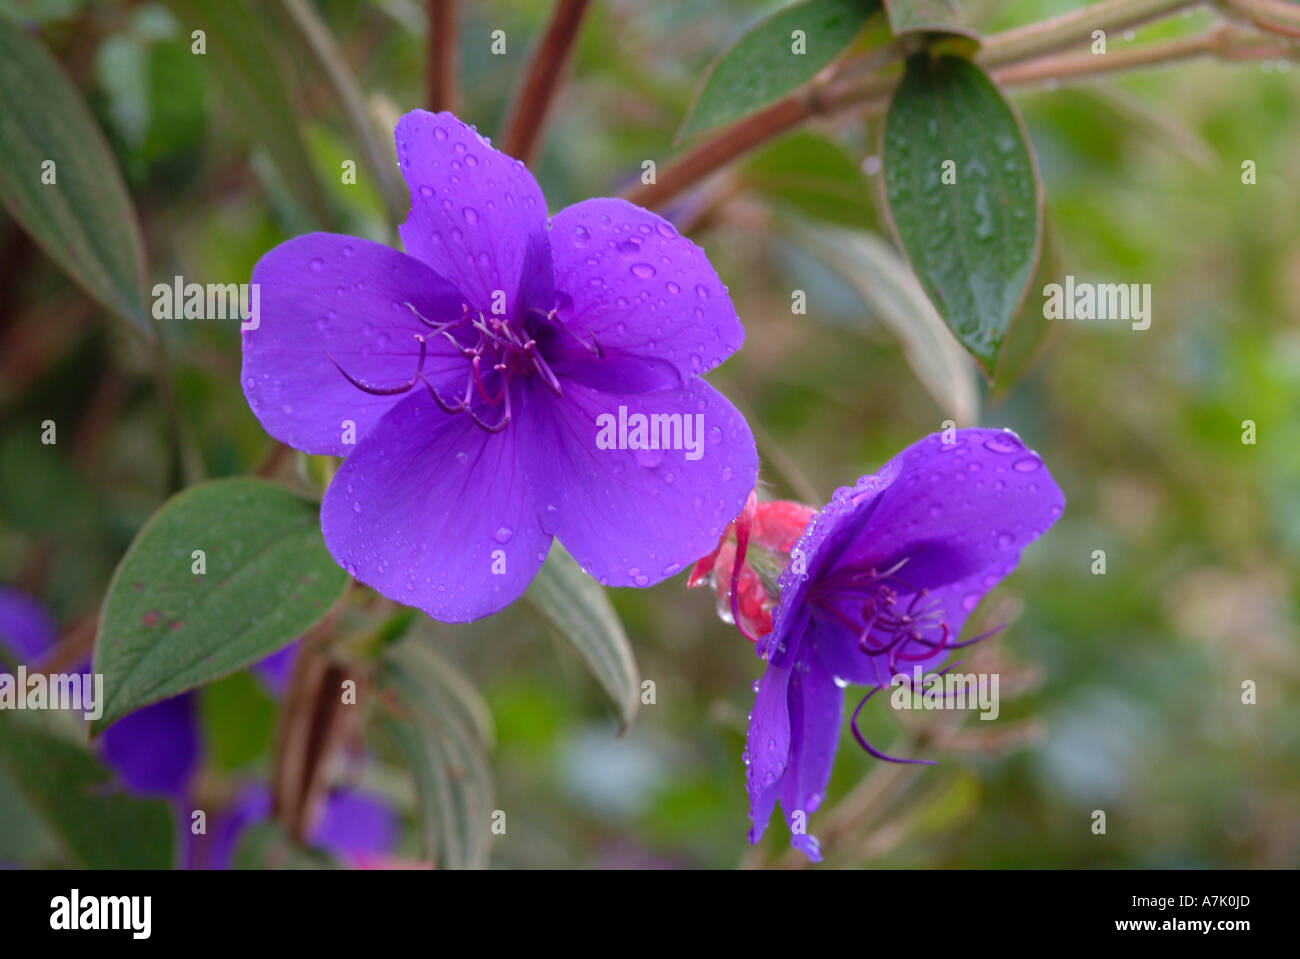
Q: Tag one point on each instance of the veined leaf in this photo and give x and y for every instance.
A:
(577, 609)
(766, 64)
(443, 728)
(267, 578)
(60, 182)
(963, 197)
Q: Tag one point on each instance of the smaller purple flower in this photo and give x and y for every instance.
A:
(155, 750)
(357, 828)
(882, 582)
(506, 381)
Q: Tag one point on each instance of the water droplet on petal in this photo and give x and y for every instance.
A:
(317, 264)
(1003, 443)
(643, 270)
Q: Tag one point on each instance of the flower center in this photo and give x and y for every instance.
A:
(894, 621)
(496, 349)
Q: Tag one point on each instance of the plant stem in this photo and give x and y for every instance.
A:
(1275, 16)
(523, 128)
(1057, 33)
(442, 55)
(872, 95)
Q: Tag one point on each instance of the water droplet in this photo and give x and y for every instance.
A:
(426, 191)
(503, 534)
(970, 601)
(1003, 443)
(317, 264)
(1027, 465)
(628, 247)
(470, 214)
(643, 270)
(439, 133)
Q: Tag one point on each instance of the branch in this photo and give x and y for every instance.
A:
(442, 55)
(523, 129)
(872, 95)
(1057, 33)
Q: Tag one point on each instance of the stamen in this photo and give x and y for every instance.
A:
(857, 734)
(385, 391)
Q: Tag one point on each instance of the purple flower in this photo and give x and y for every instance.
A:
(355, 827)
(468, 380)
(155, 750)
(881, 582)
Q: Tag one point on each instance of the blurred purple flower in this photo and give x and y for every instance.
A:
(882, 581)
(154, 750)
(356, 828)
(464, 379)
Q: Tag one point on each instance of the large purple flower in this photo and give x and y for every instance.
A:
(882, 581)
(493, 379)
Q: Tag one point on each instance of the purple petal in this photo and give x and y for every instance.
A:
(960, 509)
(155, 750)
(634, 517)
(27, 630)
(356, 823)
(326, 295)
(628, 280)
(767, 746)
(818, 549)
(433, 512)
(477, 216)
(816, 710)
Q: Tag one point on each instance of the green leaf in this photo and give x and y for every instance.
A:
(973, 243)
(813, 176)
(762, 67)
(165, 629)
(1030, 329)
(444, 729)
(925, 16)
(68, 788)
(875, 271)
(247, 57)
(577, 609)
(84, 219)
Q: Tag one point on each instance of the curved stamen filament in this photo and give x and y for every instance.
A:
(382, 390)
(500, 348)
(857, 734)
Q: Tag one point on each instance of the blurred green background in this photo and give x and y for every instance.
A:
(1132, 680)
